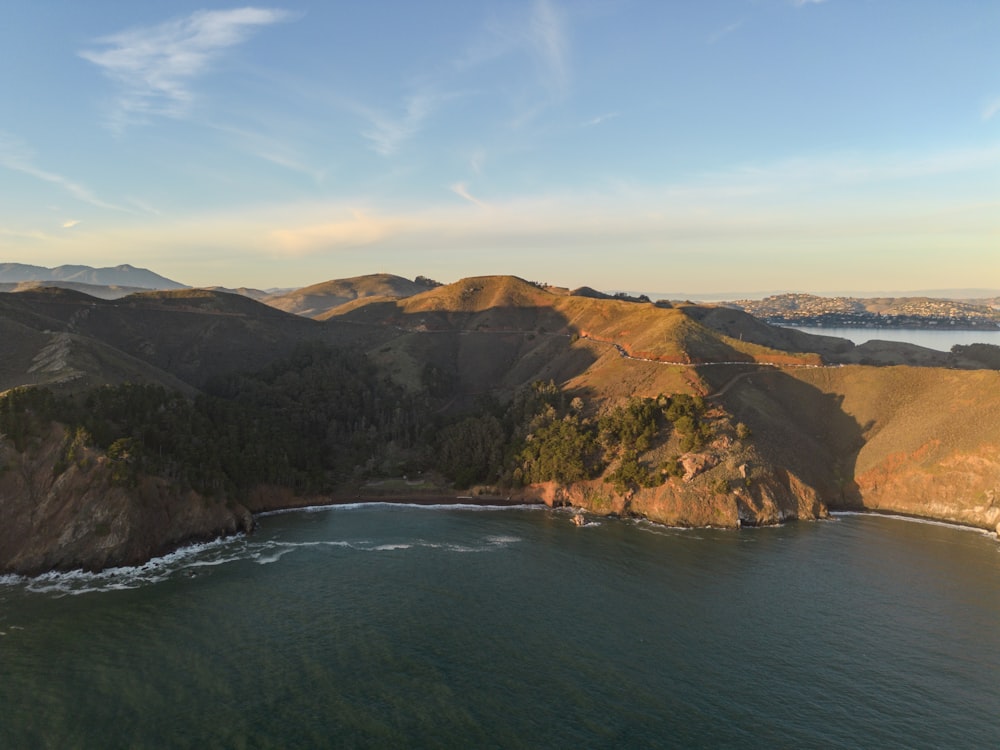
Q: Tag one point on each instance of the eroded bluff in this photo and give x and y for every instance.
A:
(58, 517)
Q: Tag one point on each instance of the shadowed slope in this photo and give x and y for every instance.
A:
(192, 335)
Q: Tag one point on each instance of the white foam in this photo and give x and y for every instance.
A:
(262, 559)
(914, 519)
(226, 550)
(503, 540)
(157, 569)
(382, 504)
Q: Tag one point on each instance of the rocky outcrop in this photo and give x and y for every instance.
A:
(767, 496)
(72, 517)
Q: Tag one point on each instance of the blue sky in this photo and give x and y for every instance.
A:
(719, 145)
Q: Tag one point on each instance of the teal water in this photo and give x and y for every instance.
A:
(941, 339)
(383, 626)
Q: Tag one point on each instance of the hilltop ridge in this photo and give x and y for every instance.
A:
(315, 300)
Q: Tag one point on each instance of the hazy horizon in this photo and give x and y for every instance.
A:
(813, 145)
(704, 296)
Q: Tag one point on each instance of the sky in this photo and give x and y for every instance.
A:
(644, 145)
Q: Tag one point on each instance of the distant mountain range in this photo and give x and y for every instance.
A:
(119, 276)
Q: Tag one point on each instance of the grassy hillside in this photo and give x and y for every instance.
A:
(917, 440)
(687, 415)
(313, 301)
(501, 332)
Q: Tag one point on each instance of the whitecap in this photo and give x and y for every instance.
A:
(385, 505)
(503, 541)
(262, 559)
(157, 569)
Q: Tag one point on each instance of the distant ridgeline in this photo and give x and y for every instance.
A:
(121, 276)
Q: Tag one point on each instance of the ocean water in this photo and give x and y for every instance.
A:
(942, 340)
(401, 626)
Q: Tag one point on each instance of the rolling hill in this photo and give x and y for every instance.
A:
(318, 299)
(780, 424)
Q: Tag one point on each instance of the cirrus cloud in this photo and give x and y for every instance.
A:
(154, 66)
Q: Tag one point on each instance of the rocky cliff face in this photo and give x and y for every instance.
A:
(57, 518)
(917, 441)
(907, 440)
(773, 496)
(933, 482)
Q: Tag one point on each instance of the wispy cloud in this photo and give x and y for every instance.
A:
(549, 42)
(991, 109)
(600, 119)
(70, 223)
(542, 34)
(357, 231)
(723, 32)
(477, 160)
(267, 148)
(16, 156)
(856, 169)
(462, 191)
(24, 235)
(800, 3)
(154, 66)
(387, 133)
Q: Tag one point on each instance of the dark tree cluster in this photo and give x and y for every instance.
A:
(314, 420)
(543, 436)
(324, 417)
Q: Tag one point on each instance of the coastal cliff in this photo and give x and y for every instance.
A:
(687, 416)
(76, 516)
(911, 440)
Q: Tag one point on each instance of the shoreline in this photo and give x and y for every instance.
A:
(916, 519)
(429, 502)
(398, 498)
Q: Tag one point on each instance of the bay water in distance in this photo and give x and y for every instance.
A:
(402, 626)
(941, 339)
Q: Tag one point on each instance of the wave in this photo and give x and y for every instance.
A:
(195, 559)
(75, 582)
(387, 505)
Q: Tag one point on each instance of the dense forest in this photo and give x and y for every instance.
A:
(309, 422)
(326, 418)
